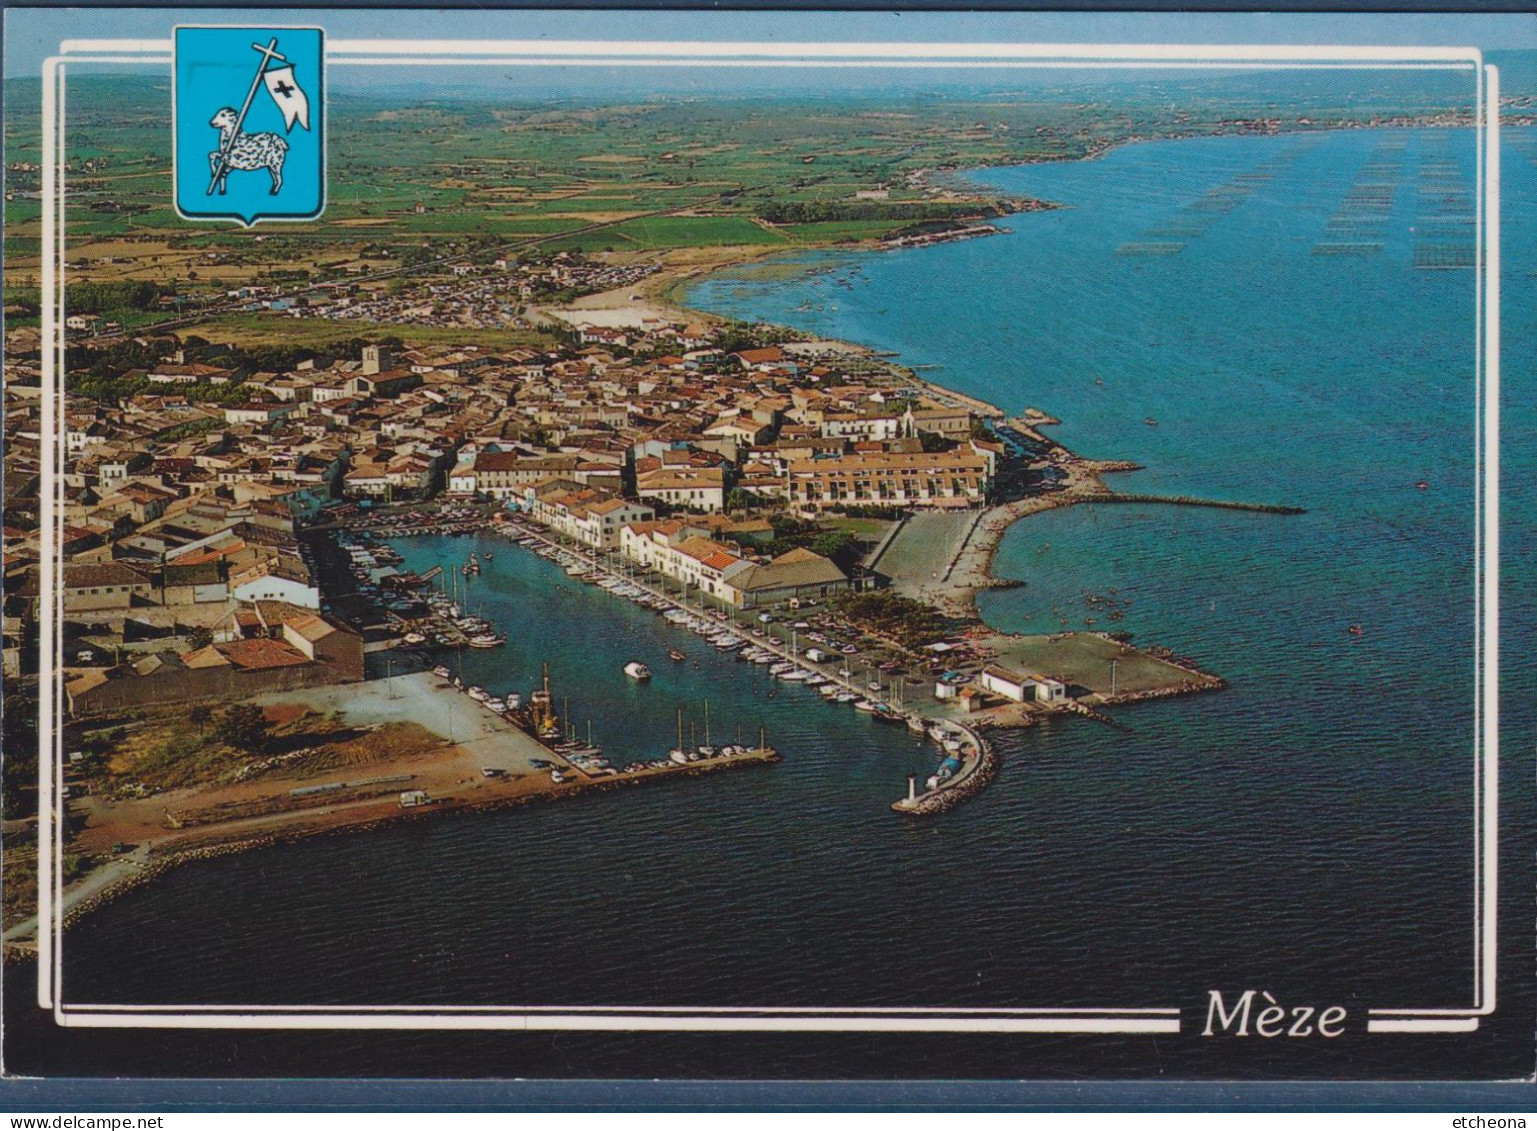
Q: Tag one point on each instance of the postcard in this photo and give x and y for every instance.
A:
(720, 545)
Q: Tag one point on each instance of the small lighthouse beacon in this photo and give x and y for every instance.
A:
(912, 787)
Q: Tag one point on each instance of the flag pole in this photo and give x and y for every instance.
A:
(269, 53)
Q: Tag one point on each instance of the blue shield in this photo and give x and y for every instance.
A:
(248, 107)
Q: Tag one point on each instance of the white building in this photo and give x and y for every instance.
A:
(273, 587)
(590, 517)
(1020, 687)
(695, 488)
(700, 563)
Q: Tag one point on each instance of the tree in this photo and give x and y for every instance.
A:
(200, 716)
(831, 543)
(242, 726)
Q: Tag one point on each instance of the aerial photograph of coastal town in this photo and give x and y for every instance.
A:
(986, 541)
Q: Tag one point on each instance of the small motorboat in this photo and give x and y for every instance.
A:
(441, 672)
(479, 694)
(675, 656)
(637, 671)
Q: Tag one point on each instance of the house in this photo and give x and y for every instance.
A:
(109, 585)
(502, 475)
(385, 384)
(861, 426)
(319, 640)
(267, 583)
(767, 358)
(743, 430)
(950, 423)
(585, 515)
(257, 412)
(699, 563)
(188, 374)
(694, 488)
(202, 580)
(309, 652)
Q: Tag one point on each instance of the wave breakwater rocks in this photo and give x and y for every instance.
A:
(966, 785)
(1193, 501)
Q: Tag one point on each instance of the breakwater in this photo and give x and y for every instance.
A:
(975, 776)
(1191, 501)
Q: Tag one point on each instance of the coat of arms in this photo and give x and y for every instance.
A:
(249, 129)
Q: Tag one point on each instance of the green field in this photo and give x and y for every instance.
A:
(694, 231)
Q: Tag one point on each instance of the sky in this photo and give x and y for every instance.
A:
(33, 34)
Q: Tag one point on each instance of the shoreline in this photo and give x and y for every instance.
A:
(152, 859)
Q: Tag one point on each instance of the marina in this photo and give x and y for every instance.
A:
(795, 649)
(786, 662)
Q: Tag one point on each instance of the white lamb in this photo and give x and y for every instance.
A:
(245, 152)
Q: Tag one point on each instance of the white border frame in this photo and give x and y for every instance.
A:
(1148, 1021)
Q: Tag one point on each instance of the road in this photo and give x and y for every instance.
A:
(83, 889)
